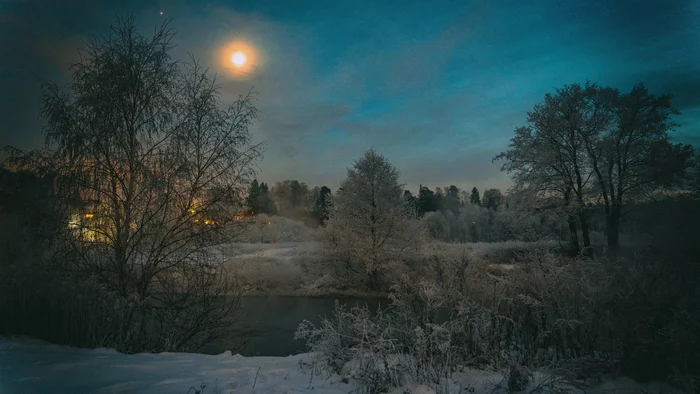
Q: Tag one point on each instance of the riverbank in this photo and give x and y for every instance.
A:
(33, 366)
(298, 268)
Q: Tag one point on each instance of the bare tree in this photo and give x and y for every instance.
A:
(547, 157)
(588, 141)
(369, 225)
(560, 118)
(152, 170)
(628, 148)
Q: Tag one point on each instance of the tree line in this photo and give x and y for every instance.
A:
(295, 200)
(291, 199)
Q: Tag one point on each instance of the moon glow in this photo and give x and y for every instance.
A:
(238, 59)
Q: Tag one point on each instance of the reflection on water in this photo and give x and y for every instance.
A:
(268, 323)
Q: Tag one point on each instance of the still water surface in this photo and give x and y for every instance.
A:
(269, 322)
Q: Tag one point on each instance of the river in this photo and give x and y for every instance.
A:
(268, 323)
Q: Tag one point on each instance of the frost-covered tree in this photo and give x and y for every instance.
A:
(450, 200)
(411, 203)
(292, 198)
(588, 141)
(437, 226)
(493, 198)
(369, 225)
(150, 162)
(629, 149)
(252, 201)
(548, 158)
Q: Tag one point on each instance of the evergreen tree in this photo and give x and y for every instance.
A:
(426, 200)
(411, 202)
(295, 193)
(438, 200)
(451, 200)
(475, 197)
(322, 205)
(408, 196)
(252, 202)
(265, 201)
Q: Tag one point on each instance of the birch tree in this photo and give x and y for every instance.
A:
(369, 225)
(151, 164)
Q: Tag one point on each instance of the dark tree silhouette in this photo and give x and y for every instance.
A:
(267, 204)
(426, 200)
(548, 157)
(474, 198)
(322, 205)
(252, 201)
(629, 150)
(588, 141)
(450, 200)
(493, 199)
(292, 198)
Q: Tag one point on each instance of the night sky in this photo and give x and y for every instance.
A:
(437, 87)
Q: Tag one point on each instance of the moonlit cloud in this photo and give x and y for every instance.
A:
(438, 88)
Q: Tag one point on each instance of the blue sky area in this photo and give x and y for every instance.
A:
(438, 87)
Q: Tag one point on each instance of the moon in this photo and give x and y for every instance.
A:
(238, 59)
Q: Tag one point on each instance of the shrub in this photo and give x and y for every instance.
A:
(424, 335)
(59, 307)
(478, 224)
(274, 229)
(572, 318)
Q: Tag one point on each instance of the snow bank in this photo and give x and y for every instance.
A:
(33, 366)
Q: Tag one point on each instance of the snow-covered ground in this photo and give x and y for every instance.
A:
(32, 366)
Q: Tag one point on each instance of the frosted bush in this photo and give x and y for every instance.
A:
(423, 337)
(275, 229)
(551, 322)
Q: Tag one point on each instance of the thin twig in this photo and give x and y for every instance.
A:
(311, 377)
(256, 376)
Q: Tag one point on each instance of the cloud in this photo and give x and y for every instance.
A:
(438, 87)
(459, 89)
(684, 85)
(39, 40)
